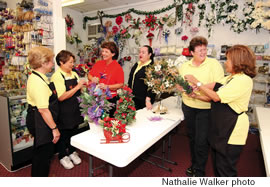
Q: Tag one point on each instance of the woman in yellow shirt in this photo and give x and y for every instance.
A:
(230, 98)
(68, 88)
(42, 110)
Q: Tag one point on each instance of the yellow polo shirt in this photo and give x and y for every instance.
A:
(59, 81)
(237, 95)
(209, 71)
(37, 91)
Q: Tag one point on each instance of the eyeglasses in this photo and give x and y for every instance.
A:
(201, 50)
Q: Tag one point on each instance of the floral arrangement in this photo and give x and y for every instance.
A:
(150, 22)
(94, 104)
(69, 23)
(189, 14)
(77, 39)
(125, 107)
(166, 33)
(128, 17)
(136, 25)
(124, 34)
(160, 76)
(70, 39)
(115, 126)
(81, 69)
(150, 37)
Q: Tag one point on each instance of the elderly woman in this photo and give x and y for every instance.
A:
(68, 88)
(42, 110)
(197, 112)
(230, 98)
(143, 96)
(107, 72)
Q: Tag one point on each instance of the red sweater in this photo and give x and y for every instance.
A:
(108, 74)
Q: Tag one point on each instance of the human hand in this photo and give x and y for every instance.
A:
(191, 79)
(180, 88)
(103, 86)
(95, 80)
(56, 135)
(148, 105)
(81, 83)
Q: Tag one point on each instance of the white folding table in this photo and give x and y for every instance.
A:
(143, 134)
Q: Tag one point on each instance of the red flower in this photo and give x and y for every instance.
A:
(150, 35)
(119, 20)
(184, 38)
(120, 100)
(115, 29)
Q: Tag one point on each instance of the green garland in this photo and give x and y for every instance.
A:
(139, 12)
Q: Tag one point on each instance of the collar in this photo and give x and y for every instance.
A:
(145, 64)
(43, 76)
(202, 64)
(64, 73)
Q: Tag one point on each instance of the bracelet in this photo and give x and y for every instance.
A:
(54, 128)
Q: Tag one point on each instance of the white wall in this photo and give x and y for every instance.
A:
(77, 28)
(221, 33)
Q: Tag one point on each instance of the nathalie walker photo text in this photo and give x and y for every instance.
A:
(208, 182)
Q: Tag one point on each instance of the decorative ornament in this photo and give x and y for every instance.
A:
(150, 21)
(119, 20)
(93, 102)
(128, 17)
(114, 131)
(150, 37)
(69, 23)
(194, 31)
(125, 106)
(166, 34)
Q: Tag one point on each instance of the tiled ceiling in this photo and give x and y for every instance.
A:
(92, 5)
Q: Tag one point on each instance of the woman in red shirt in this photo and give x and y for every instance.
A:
(107, 72)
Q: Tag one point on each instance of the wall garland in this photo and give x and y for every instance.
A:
(210, 12)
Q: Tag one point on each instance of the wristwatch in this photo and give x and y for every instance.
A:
(199, 84)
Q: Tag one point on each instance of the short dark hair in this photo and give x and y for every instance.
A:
(150, 50)
(197, 41)
(112, 47)
(63, 56)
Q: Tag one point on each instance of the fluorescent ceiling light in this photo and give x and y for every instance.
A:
(71, 2)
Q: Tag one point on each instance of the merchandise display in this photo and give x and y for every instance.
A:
(29, 25)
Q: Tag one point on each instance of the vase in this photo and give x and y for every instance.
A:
(96, 128)
(109, 137)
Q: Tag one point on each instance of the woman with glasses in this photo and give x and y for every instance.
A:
(197, 112)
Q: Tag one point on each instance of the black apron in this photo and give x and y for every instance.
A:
(70, 114)
(35, 122)
(223, 120)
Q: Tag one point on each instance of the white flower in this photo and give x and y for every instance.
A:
(167, 84)
(158, 67)
(170, 63)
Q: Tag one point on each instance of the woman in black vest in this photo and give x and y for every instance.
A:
(68, 87)
(42, 110)
(143, 96)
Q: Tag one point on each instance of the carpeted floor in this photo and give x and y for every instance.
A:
(250, 164)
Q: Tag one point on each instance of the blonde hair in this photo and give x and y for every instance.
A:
(38, 56)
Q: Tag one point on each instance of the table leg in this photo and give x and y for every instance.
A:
(91, 170)
(110, 170)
